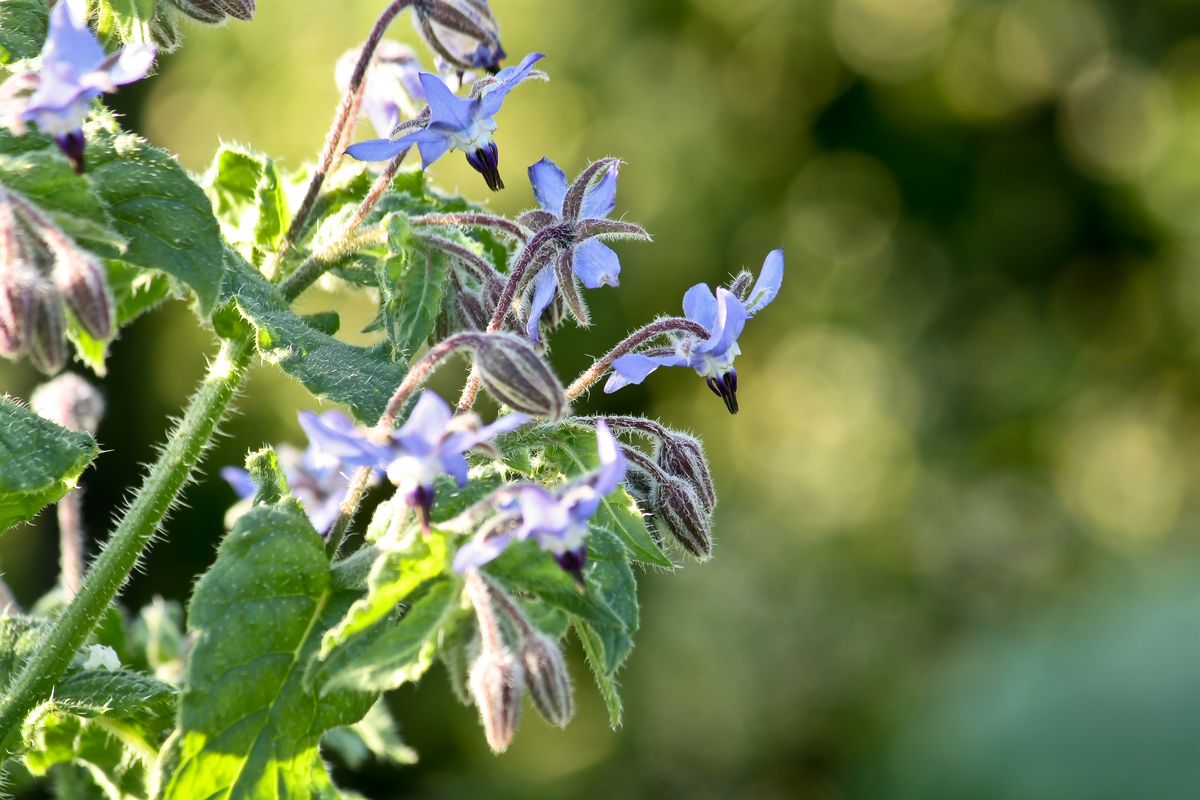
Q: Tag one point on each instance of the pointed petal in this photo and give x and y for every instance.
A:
(431, 150)
(461, 442)
(132, 65)
(596, 264)
(731, 319)
(476, 553)
(634, 368)
(543, 295)
(70, 43)
(612, 460)
(379, 149)
(344, 445)
(600, 198)
(767, 285)
(428, 420)
(445, 107)
(506, 81)
(549, 185)
(700, 306)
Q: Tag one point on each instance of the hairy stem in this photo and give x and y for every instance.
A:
(349, 507)
(636, 339)
(71, 541)
(419, 372)
(468, 220)
(133, 534)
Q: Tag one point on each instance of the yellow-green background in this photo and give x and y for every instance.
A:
(967, 450)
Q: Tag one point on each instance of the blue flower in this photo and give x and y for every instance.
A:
(456, 123)
(557, 522)
(431, 442)
(393, 87)
(314, 476)
(75, 71)
(723, 315)
(578, 214)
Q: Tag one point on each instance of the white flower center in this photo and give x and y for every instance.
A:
(478, 136)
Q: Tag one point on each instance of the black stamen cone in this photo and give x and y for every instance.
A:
(486, 161)
(422, 499)
(725, 387)
(572, 563)
(72, 146)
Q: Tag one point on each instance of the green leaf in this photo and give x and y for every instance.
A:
(574, 452)
(249, 726)
(126, 20)
(19, 639)
(129, 697)
(411, 290)
(605, 680)
(118, 770)
(23, 25)
(163, 213)
(269, 480)
(372, 736)
(248, 198)
(361, 378)
(39, 462)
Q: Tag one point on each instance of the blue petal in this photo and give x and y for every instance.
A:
(239, 479)
(323, 514)
(596, 264)
(476, 553)
(70, 43)
(346, 446)
(544, 286)
(767, 285)
(506, 80)
(454, 465)
(378, 149)
(131, 65)
(549, 185)
(634, 368)
(600, 198)
(432, 149)
(426, 425)
(445, 107)
(541, 513)
(700, 306)
(612, 460)
(731, 319)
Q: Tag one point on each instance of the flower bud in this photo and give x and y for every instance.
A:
(48, 345)
(547, 679)
(683, 515)
(741, 284)
(515, 375)
(84, 285)
(18, 276)
(463, 32)
(497, 683)
(682, 456)
(69, 401)
(214, 11)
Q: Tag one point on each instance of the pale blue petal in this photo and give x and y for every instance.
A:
(767, 285)
(731, 319)
(445, 107)
(612, 460)
(379, 149)
(506, 81)
(344, 445)
(634, 368)
(426, 425)
(476, 553)
(600, 198)
(432, 149)
(70, 43)
(544, 286)
(131, 65)
(549, 185)
(700, 306)
(596, 264)
(239, 479)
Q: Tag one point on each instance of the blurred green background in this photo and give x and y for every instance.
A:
(956, 547)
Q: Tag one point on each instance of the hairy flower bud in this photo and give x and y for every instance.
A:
(741, 284)
(18, 277)
(215, 11)
(69, 401)
(682, 514)
(515, 375)
(682, 456)
(48, 345)
(547, 679)
(462, 32)
(497, 684)
(84, 285)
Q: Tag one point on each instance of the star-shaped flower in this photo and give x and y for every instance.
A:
(74, 71)
(431, 442)
(558, 522)
(456, 123)
(724, 316)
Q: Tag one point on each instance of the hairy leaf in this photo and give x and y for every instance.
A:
(39, 462)
(247, 196)
(19, 639)
(412, 287)
(23, 25)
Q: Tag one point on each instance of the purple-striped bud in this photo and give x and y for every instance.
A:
(462, 32)
(517, 376)
(682, 456)
(84, 286)
(18, 277)
(681, 512)
(69, 401)
(214, 12)
(48, 344)
(547, 679)
(497, 684)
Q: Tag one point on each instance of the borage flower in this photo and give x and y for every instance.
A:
(315, 476)
(557, 522)
(75, 71)
(431, 442)
(723, 315)
(393, 87)
(456, 123)
(578, 216)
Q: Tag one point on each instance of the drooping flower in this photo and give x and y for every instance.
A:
(456, 123)
(578, 213)
(431, 442)
(75, 70)
(462, 32)
(558, 522)
(723, 315)
(393, 88)
(315, 476)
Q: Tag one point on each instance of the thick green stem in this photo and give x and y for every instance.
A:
(129, 541)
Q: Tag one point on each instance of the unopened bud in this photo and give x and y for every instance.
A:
(684, 517)
(547, 679)
(740, 286)
(497, 684)
(18, 276)
(682, 456)
(463, 32)
(84, 285)
(69, 401)
(48, 344)
(517, 376)
(215, 11)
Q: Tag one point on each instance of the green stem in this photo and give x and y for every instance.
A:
(129, 541)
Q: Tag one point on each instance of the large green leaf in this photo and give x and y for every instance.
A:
(23, 25)
(360, 378)
(159, 209)
(248, 198)
(249, 727)
(39, 462)
(19, 639)
(411, 288)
